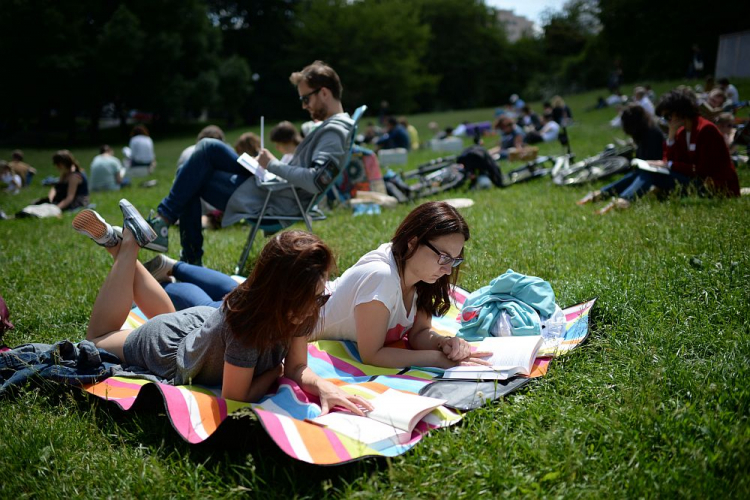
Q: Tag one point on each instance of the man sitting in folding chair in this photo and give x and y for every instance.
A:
(212, 172)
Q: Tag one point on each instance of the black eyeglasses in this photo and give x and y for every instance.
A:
(306, 98)
(443, 258)
(322, 299)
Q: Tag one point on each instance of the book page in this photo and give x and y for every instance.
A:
(366, 430)
(511, 355)
(644, 165)
(252, 166)
(509, 352)
(402, 410)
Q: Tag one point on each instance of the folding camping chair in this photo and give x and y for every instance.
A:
(272, 223)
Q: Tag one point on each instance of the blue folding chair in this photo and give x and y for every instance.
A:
(271, 223)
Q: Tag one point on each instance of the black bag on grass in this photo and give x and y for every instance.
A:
(477, 161)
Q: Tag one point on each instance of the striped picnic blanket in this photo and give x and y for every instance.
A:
(196, 412)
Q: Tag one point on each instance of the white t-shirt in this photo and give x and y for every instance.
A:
(141, 150)
(14, 183)
(646, 104)
(373, 277)
(550, 131)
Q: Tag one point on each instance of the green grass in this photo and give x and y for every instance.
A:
(656, 404)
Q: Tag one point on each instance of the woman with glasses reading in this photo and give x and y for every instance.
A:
(392, 292)
(258, 334)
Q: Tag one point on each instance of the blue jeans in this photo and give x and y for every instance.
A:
(198, 286)
(211, 173)
(638, 182)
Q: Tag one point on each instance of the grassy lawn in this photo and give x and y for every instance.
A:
(656, 404)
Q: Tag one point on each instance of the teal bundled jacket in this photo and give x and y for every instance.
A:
(523, 298)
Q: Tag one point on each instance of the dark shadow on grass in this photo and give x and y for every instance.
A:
(228, 449)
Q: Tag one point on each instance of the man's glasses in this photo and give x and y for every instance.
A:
(306, 98)
(321, 299)
(443, 258)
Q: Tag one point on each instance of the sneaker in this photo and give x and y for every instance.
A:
(618, 203)
(160, 268)
(160, 226)
(133, 220)
(89, 223)
(590, 197)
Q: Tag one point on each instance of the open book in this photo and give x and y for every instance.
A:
(391, 422)
(644, 165)
(260, 173)
(510, 356)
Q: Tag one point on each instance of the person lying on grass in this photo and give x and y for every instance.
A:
(390, 294)
(257, 335)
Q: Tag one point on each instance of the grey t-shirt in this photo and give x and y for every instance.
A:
(191, 346)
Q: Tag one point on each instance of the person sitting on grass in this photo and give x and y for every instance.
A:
(11, 179)
(395, 136)
(209, 131)
(696, 155)
(390, 294)
(26, 171)
(140, 151)
(106, 171)
(286, 139)
(71, 190)
(247, 143)
(257, 335)
(639, 124)
(213, 174)
(511, 136)
(548, 133)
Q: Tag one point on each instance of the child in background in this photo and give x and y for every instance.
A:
(286, 139)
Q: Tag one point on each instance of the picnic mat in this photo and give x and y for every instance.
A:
(196, 412)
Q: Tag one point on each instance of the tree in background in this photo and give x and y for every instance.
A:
(468, 53)
(68, 62)
(377, 47)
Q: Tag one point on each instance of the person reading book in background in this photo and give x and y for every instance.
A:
(257, 335)
(639, 124)
(392, 292)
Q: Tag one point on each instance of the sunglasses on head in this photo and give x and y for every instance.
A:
(443, 258)
(306, 98)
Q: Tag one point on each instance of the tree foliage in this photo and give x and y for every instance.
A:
(176, 58)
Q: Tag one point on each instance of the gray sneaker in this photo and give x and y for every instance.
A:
(89, 223)
(133, 220)
(160, 268)
(161, 243)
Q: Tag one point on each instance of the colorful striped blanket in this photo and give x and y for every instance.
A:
(196, 412)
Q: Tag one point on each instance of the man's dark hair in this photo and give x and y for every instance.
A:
(680, 101)
(17, 155)
(104, 148)
(211, 132)
(392, 121)
(723, 81)
(318, 75)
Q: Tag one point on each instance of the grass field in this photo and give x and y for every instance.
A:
(656, 404)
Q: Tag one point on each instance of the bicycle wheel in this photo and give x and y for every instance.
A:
(595, 170)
